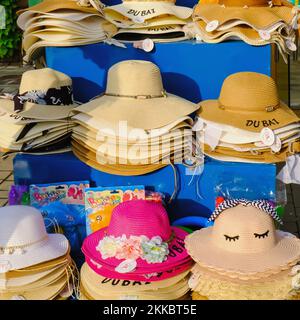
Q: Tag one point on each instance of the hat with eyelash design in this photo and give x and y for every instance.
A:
(263, 205)
(243, 242)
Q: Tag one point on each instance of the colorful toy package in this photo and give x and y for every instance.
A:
(99, 203)
(63, 204)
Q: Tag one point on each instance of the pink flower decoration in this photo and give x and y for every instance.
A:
(130, 249)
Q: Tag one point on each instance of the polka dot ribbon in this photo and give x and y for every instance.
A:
(262, 205)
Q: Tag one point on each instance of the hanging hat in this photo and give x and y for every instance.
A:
(248, 101)
(135, 93)
(139, 240)
(243, 241)
(24, 241)
(141, 12)
(43, 94)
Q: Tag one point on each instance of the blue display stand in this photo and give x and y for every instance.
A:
(194, 71)
(191, 70)
(196, 195)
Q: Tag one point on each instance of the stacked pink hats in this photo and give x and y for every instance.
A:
(138, 245)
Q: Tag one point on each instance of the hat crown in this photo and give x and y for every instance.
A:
(140, 218)
(134, 78)
(21, 226)
(244, 229)
(248, 91)
(43, 79)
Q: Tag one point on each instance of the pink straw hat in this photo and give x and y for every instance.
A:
(139, 240)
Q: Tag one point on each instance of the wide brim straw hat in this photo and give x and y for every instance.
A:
(47, 6)
(248, 101)
(249, 253)
(43, 94)
(140, 11)
(145, 221)
(150, 277)
(137, 99)
(117, 286)
(162, 33)
(48, 292)
(257, 16)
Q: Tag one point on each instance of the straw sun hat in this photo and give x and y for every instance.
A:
(43, 94)
(24, 241)
(258, 14)
(137, 12)
(135, 93)
(139, 241)
(248, 101)
(243, 241)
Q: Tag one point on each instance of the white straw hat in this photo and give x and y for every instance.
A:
(24, 241)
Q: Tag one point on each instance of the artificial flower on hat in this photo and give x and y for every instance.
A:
(243, 255)
(138, 244)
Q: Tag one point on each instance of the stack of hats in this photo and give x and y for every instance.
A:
(243, 257)
(161, 20)
(248, 122)
(138, 256)
(36, 119)
(62, 23)
(256, 22)
(34, 265)
(135, 127)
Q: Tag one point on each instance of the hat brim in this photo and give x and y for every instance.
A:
(173, 260)
(55, 246)
(38, 111)
(257, 17)
(139, 113)
(53, 5)
(202, 249)
(246, 120)
(121, 170)
(147, 276)
(46, 293)
(113, 286)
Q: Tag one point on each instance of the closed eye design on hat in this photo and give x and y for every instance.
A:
(263, 235)
(231, 238)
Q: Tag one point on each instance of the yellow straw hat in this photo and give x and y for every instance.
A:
(248, 101)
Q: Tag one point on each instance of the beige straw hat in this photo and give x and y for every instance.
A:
(243, 241)
(256, 13)
(140, 12)
(53, 5)
(135, 94)
(43, 94)
(248, 101)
